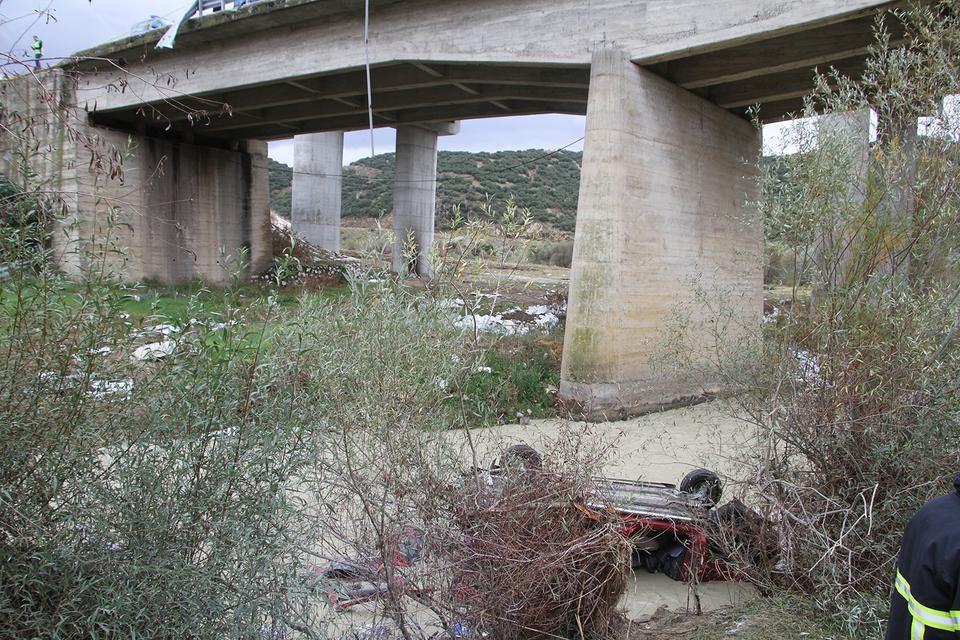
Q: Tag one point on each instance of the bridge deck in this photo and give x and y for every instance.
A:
(279, 68)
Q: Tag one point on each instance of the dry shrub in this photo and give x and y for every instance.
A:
(532, 560)
(296, 261)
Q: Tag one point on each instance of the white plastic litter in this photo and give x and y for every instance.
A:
(154, 350)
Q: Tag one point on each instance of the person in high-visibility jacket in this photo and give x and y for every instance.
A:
(37, 51)
(925, 599)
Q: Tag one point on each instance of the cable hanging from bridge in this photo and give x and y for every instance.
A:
(366, 52)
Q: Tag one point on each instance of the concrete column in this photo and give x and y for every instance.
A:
(414, 201)
(897, 158)
(316, 197)
(666, 213)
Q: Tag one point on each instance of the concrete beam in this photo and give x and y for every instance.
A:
(845, 137)
(532, 32)
(450, 128)
(316, 197)
(350, 88)
(435, 97)
(802, 50)
(422, 115)
(414, 201)
(666, 213)
(778, 87)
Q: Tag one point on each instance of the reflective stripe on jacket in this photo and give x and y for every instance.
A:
(925, 600)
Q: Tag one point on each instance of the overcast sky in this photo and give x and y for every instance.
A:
(79, 24)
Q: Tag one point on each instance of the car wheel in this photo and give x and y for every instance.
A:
(521, 455)
(702, 483)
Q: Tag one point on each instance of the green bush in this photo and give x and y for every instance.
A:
(521, 371)
(556, 254)
(168, 499)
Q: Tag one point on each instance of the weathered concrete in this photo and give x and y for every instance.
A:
(176, 212)
(317, 186)
(414, 201)
(666, 212)
(506, 32)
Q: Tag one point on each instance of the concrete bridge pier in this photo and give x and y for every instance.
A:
(846, 135)
(666, 222)
(316, 197)
(415, 197)
(414, 201)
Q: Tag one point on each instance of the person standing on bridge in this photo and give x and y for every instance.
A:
(925, 601)
(37, 51)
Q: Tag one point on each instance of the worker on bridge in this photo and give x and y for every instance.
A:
(925, 600)
(37, 51)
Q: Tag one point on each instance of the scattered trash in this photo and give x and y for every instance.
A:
(151, 23)
(102, 389)
(164, 330)
(515, 321)
(490, 324)
(56, 382)
(99, 389)
(155, 350)
(808, 367)
(737, 628)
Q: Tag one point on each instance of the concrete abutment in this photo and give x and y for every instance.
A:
(179, 211)
(667, 213)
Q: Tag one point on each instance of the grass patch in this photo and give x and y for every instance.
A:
(784, 617)
(521, 369)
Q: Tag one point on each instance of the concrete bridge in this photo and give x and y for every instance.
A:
(666, 207)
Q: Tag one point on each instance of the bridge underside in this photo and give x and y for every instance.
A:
(767, 77)
(404, 93)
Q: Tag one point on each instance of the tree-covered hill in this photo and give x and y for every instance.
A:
(544, 183)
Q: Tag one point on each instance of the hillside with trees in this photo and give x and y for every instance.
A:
(546, 185)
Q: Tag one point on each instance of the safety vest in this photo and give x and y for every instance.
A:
(924, 617)
(925, 599)
(38, 47)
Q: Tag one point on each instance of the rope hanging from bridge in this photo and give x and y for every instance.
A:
(366, 51)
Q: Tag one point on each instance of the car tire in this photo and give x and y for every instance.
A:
(704, 483)
(521, 455)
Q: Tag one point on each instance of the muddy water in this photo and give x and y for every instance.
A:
(658, 447)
